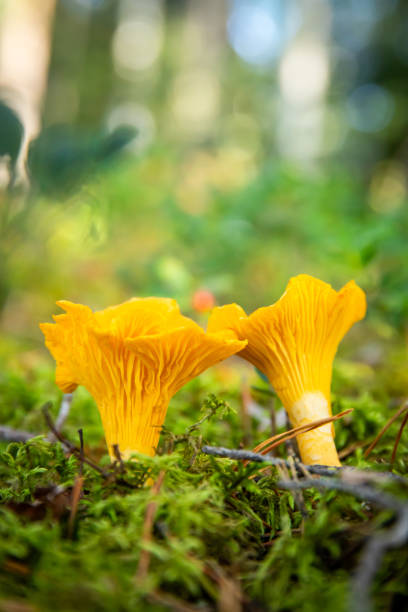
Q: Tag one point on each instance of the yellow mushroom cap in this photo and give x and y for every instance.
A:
(294, 341)
(132, 358)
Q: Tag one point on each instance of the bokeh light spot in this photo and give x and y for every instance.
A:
(194, 100)
(136, 45)
(254, 34)
(370, 108)
(304, 72)
(388, 188)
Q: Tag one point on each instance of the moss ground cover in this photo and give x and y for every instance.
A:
(223, 536)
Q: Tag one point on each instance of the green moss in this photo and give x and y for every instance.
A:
(213, 517)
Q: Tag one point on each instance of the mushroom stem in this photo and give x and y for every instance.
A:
(317, 446)
(135, 428)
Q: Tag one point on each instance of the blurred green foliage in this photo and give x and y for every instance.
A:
(142, 227)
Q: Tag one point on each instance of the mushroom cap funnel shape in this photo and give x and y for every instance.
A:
(132, 358)
(294, 342)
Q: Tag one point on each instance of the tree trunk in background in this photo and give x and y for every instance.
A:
(81, 71)
(25, 35)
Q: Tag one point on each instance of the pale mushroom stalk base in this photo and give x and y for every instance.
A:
(134, 428)
(317, 446)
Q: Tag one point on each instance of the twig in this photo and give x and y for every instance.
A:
(77, 452)
(244, 455)
(15, 435)
(245, 416)
(19, 435)
(299, 495)
(403, 408)
(68, 445)
(151, 509)
(273, 419)
(319, 470)
(118, 456)
(274, 441)
(351, 448)
(371, 558)
(354, 482)
(77, 488)
(292, 449)
(364, 492)
(81, 448)
(398, 438)
(230, 596)
(377, 545)
(62, 415)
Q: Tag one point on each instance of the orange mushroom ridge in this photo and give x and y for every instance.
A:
(294, 342)
(132, 358)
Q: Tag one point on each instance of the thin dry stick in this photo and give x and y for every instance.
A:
(9, 434)
(398, 438)
(373, 553)
(351, 448)
(68, 445)
(273, 418)
(77, 489)
(292, 449)
(377, 545)
(15, 435)
(64, 410)
(352, 474)
(230, 596)
(151, 509)
(270, 443)
(82, 454)
(245, 416)
(62, 415)
(244, 455)
(403, 408)
(299, 499)
(118, 456)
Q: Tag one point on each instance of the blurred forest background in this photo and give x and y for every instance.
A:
(156, 147)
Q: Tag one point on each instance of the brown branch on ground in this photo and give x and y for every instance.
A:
(299, 499)
(274, 441)
(354, 482)
(349, 450)
(15, 435)
(377, 545)
(273, 419)
(151, 509)
(400, 411)
(9, 434)
(245, 416)
(68, 445)
(398, 438)
(363, 476)
(77, 488)
(230, 595)
(118, 456)
(62, 415)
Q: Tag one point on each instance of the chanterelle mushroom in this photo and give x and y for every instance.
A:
(132, 358)
(294, 342)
